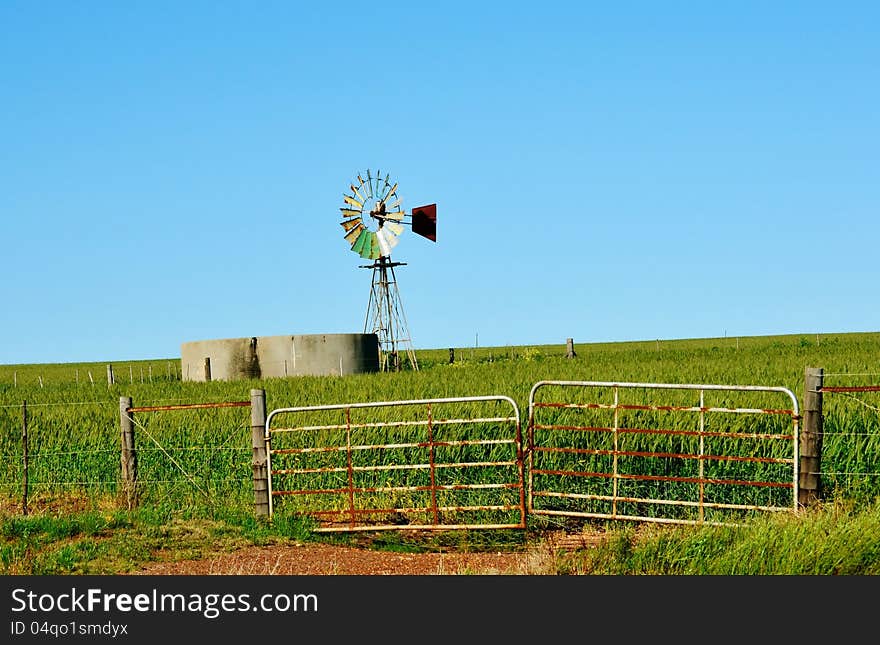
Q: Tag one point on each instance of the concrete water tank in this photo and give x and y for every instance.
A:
(230, 359)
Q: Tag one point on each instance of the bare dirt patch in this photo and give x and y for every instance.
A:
(329, 559)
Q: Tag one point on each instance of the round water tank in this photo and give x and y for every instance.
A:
(229, 359)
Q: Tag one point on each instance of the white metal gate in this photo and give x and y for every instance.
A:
(454, 463)
(655, 452)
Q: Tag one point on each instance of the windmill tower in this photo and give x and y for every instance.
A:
(374, 219)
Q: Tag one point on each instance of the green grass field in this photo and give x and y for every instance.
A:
(199, 461)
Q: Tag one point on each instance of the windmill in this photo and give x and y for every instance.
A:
(374, 218)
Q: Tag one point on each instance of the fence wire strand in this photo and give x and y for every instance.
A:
(172, 459)
(856, 399)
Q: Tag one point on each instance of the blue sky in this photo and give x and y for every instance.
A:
(173, 171)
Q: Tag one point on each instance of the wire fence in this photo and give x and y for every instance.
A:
(851, 434)
(68, 454)
(90, 376)
(48, 462)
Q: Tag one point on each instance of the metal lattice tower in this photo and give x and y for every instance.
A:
(386, 319)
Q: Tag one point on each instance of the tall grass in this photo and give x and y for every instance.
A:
(834, 539)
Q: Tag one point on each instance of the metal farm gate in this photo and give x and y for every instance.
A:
(454, 463)
(654, 452)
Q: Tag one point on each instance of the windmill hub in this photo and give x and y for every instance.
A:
(378, 213)
(378, 198)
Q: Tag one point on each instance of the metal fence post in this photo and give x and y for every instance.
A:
(129, 456)
(810, 465)
(258, 443)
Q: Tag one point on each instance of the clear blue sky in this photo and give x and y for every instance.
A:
(173, 171)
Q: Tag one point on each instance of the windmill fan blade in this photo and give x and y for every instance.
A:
(378, 190)
(352, 236)
(352, 201)
(350, 212)
(390, 192)
(363, 247)
(395, 228)
(349, 224)
(397, 202)
(360, 242)
(369, 184)
(391, 240)
(397, 215)
(370, 250)
(384, 247)
(356, 193)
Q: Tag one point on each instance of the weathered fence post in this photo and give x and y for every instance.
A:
(451, 355)
(24, 459)
(110, 379)
(569, 348)
(129, 456)
(259, 462)
(207, 368)
(810, 464)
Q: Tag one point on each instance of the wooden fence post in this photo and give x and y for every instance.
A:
(110, 379)
(207, 368)
(451, 355)
(129, 456)
(259, 457)
(24, 458)
(569, 348)
(810, 445)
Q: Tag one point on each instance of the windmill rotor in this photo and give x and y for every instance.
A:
(374, 217)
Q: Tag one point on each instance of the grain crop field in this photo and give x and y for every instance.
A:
(202, 457)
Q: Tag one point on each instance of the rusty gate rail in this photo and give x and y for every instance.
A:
(416, 469)
(852, 388)
(683, 475)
